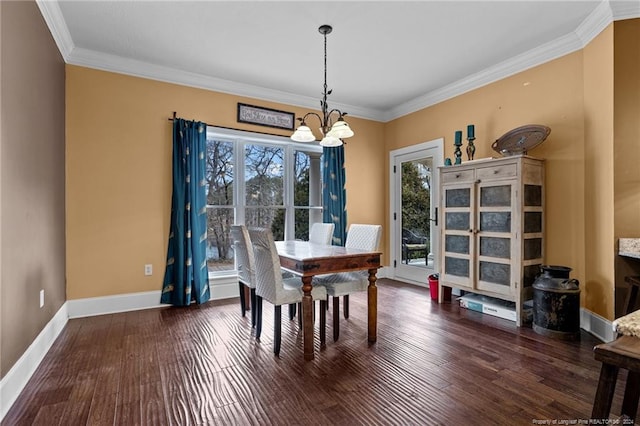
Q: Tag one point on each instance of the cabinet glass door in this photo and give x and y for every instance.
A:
(494, 236)
(457, 202)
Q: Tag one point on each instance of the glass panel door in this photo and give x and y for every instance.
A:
(415, 207)
(415, 236)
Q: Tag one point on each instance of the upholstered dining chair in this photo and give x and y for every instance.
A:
(271, 286)
(359, 236)
(321, 233)
(245, 261)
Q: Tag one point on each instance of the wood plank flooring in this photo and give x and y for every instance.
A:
(432, 365)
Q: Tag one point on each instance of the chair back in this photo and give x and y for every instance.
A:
(243, 250)
(269, 284)
(321, 233)
(363, 237)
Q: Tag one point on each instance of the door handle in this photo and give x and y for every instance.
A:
(435, 221)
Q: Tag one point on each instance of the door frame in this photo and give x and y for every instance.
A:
(435, 148)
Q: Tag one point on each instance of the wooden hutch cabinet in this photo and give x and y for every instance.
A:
(492, 227)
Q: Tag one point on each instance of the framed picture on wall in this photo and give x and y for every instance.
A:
(262, 116)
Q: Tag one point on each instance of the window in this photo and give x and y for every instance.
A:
(258, 180)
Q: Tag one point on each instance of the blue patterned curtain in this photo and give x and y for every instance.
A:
(334, 193)
(186, 278)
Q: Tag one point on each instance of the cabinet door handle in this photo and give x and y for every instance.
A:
(471, 231)
(495, 172)
(457, 175)
(478, 181)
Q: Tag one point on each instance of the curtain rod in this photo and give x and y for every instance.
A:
(233, 128)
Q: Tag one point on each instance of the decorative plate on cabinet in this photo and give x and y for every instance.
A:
(521, 139)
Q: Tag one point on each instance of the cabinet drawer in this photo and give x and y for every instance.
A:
(458, 176)
(497, 172)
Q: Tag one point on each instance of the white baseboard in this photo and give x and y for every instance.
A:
(16, 379)
(220, 288)
(384, 272)
(598, 326)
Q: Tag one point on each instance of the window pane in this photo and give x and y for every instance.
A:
(301, 195)
(456, 243)
(219, 173)
(495, 221)
(497, 273)
(532, 195)
(301, 183)
(457, 221)
(495, 247)
(532, 222)
(219, 176)
(219, 252)
(264, 175)
(301, 224)
(458, 267)
(266, 217)
(458, 197)
(495, 196)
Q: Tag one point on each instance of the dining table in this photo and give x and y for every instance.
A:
(309, 259)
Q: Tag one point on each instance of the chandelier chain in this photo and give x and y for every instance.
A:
(324, 103)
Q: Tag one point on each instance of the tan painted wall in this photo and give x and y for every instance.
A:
(598, 176)
(550, 94)
(626, 128)
(119, 174)
(31, 178)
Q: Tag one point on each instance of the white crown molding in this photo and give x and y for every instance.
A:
(625, 9)
(593, 25)
(112, 63)
(52, 15)
(519, 63)
(605, 13)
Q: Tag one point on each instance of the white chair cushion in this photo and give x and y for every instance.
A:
(245, 259)
(360, 236)
(363, 237)
(343, 283)
(270, 284)
(293, 289)
(321, 233)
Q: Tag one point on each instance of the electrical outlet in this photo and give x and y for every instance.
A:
(148, 269)
(41, 298)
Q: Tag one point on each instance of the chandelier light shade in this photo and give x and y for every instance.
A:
(332, 131)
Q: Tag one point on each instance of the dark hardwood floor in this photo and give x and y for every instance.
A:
(432, 365)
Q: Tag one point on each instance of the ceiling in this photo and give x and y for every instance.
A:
(385, 58)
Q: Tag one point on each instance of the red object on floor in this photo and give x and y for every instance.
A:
(433, 289)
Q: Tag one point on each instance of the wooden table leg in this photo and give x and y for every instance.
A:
(372, 303)
(307, 318)
(605, 391)
(630, 401)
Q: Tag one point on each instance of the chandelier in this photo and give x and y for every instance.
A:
(332, 132)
